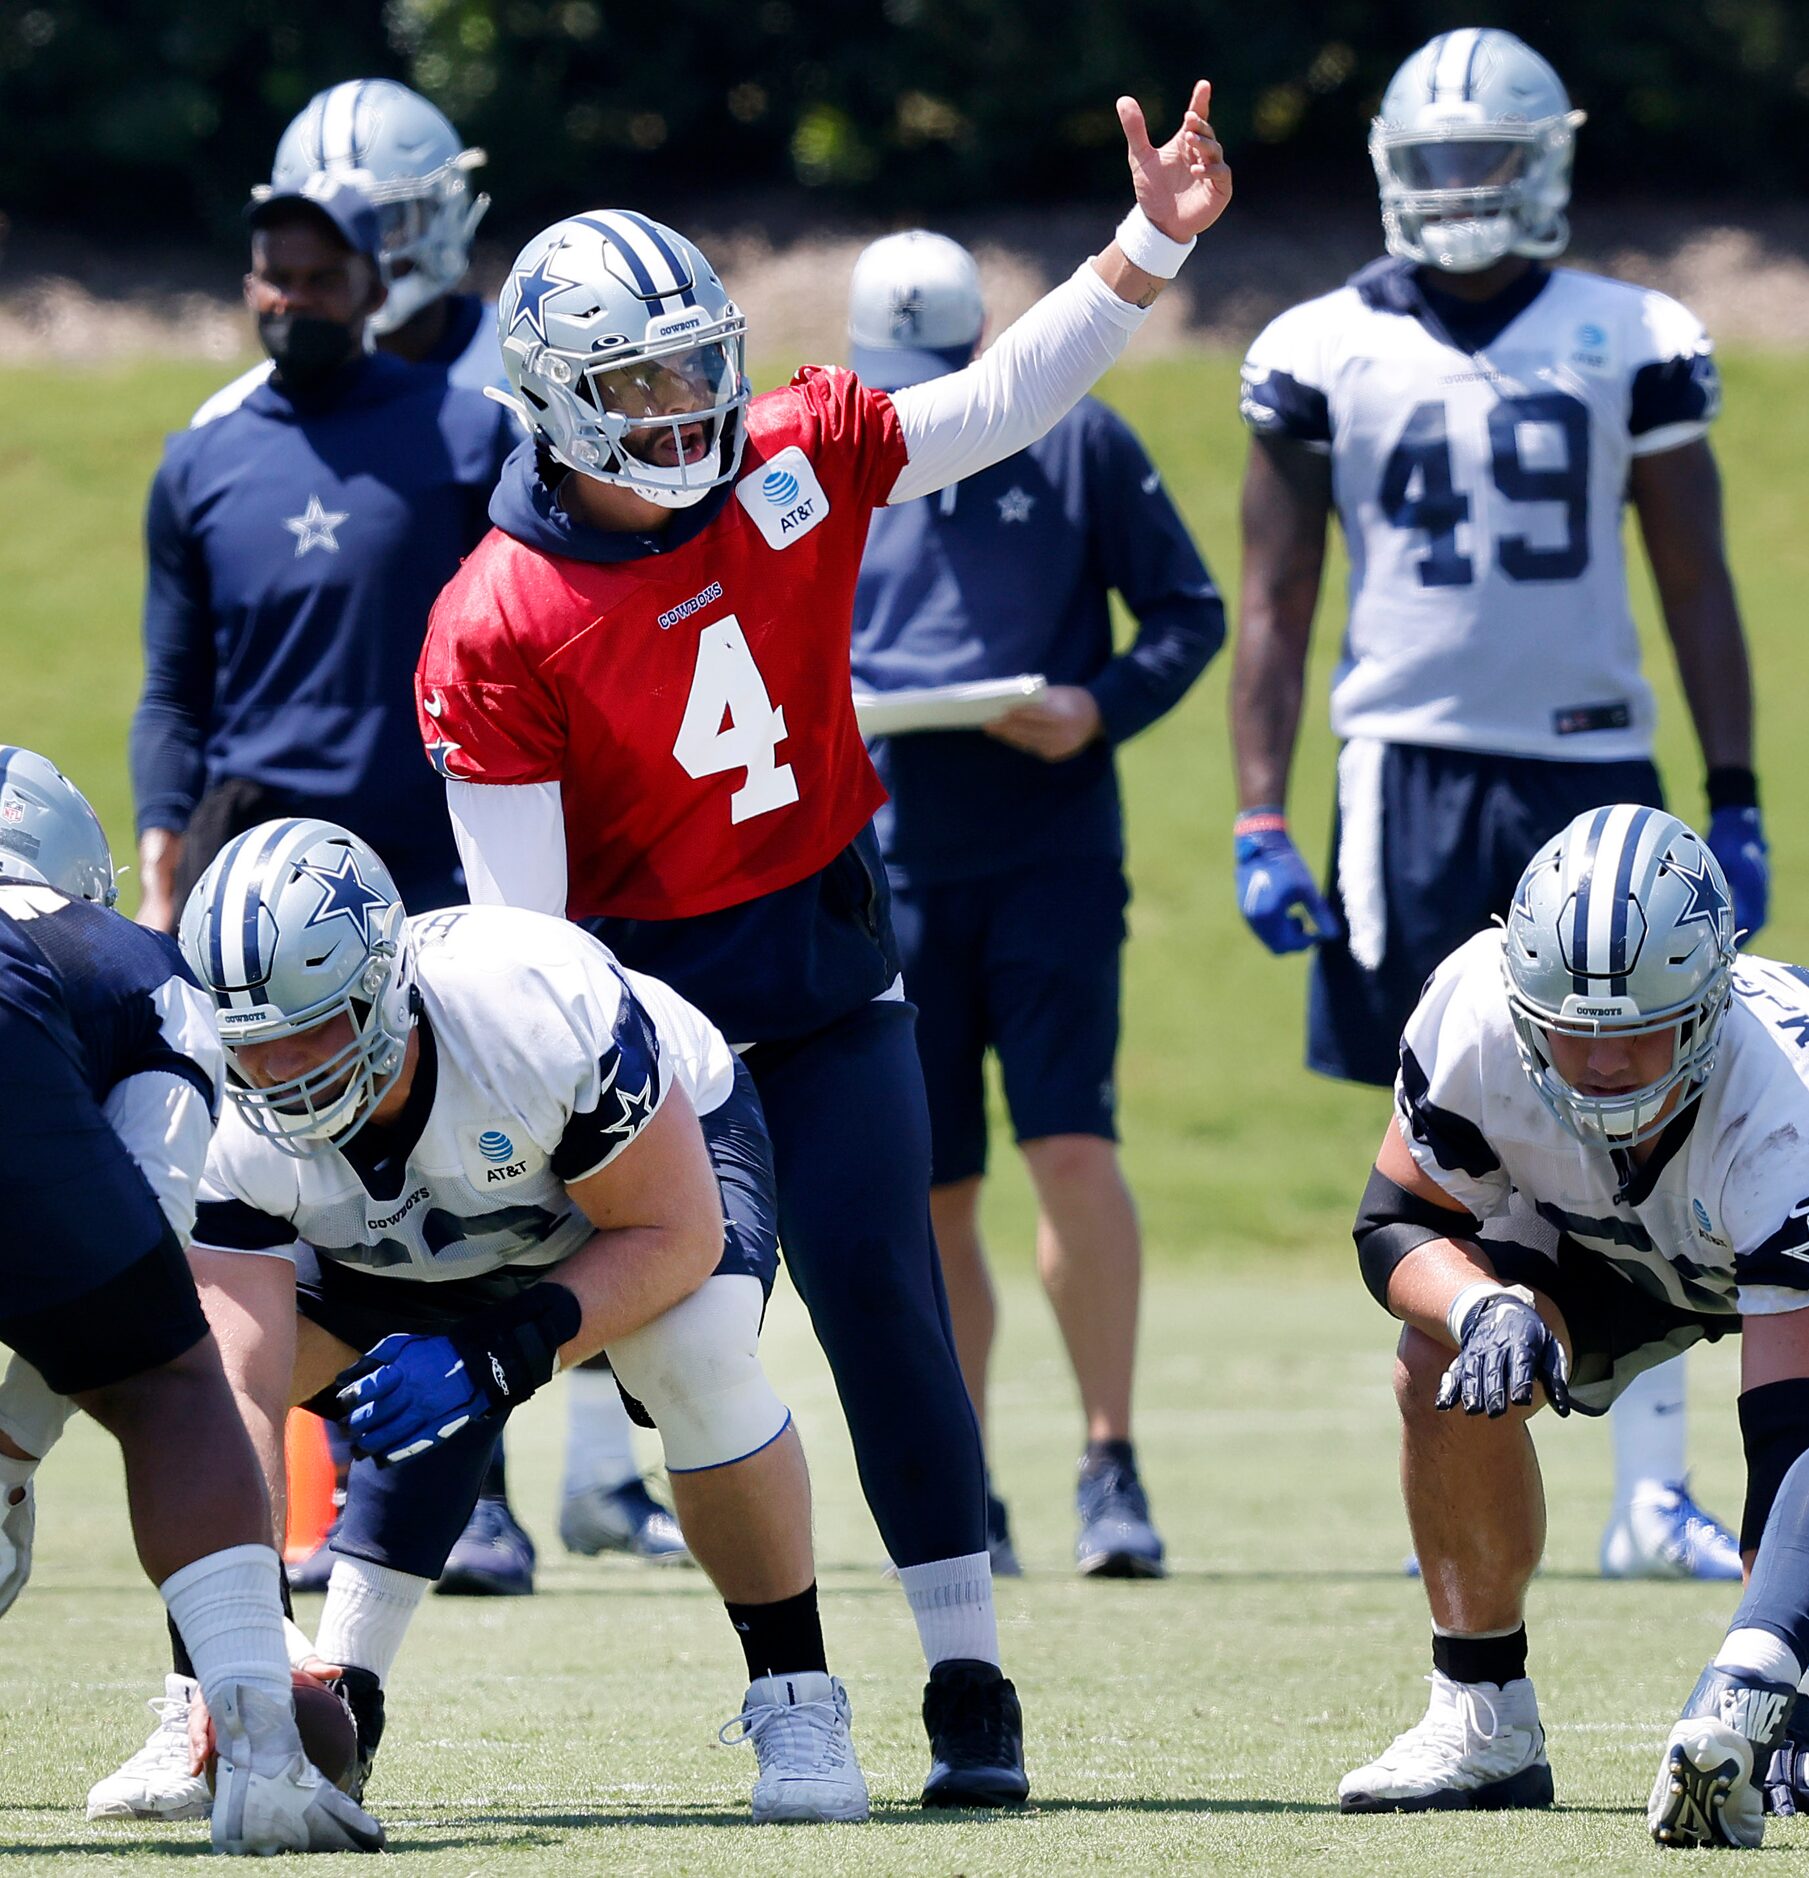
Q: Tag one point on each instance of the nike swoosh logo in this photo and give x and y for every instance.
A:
(1152, 482)
(433, 705)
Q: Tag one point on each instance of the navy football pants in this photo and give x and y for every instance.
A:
(851, 1146)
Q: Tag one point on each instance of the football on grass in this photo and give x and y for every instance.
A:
(329, 1735)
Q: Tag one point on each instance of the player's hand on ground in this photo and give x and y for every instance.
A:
(1736, 839)
(1276, 893)
(1184, 184)
(1507, 1348)
(406, 1395)
(1058, 725)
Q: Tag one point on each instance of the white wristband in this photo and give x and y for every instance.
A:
(1144, 245)
(1466, 1301)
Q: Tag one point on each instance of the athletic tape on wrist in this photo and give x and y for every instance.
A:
(1464, 1305)
(1144, 245)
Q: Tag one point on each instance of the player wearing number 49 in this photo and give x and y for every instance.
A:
(639, 691)
(1477, 419)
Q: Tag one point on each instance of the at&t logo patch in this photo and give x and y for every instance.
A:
(493, 1157)
(784, 498)
(495, 1146)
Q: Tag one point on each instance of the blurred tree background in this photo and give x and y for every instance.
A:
(155, 116)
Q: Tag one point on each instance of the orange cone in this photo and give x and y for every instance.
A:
(309, 1462)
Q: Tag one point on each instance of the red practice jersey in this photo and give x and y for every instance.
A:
(696, 706)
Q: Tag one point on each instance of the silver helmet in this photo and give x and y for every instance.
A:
(1472, 149)
(618, 338)
(405, 158)
(1622, 925)
(48, 832)
(298, 922)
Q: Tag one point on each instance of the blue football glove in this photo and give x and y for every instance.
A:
(408, 1394)
(1505, 1348)
(1275, 886)
(1737, 841)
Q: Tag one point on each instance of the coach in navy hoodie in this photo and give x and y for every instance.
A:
(295, 546)
(1005, 846)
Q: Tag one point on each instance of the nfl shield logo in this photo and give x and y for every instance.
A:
(12, 811)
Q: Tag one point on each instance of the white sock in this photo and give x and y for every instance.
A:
(367, 1615)
(1648, 1423)
(1759, 1653)
(951, 1599)
(599, 1438)
(229, 1609)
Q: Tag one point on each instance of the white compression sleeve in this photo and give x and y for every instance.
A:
(1037, 370)
(511, 839)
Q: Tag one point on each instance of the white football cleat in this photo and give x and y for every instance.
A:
(1479, 1745)
(1707, 1791)
(156, 1782)
(800, 1728)
(1667, 1535)
(268, 1797)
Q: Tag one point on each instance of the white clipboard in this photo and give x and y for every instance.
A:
(944, 707)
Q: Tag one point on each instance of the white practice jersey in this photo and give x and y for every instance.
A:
(1716, 1220)
(477, 365)
(1479, 483)
(542, 1058)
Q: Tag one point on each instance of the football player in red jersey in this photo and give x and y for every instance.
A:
(638, 690)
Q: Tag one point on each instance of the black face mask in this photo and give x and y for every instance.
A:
(307, 352)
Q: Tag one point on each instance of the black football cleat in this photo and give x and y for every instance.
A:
(976, 1731)
(362, 1693)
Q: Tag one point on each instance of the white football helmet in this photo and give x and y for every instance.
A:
(1622, 924)
(625, 356)
(1473, 149)
(48, 832)
(298, 922)
(404, 157)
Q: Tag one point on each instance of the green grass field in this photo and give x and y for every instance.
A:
(1200, 1724)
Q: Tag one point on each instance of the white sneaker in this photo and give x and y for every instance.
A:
(156, 1783)
(1480, 1745)
(799, 1726)
(268, 1797)
(1667, 1535)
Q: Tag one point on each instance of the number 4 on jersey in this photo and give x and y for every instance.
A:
(730, 723)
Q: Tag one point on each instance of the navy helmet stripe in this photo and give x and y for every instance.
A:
(1435, 53)
(643, 279)
(1618, 965)
(1579, 932)
(1470, 62)
(255, 969)
(663, 248)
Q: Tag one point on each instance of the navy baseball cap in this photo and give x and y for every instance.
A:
(914, 310)
(353, 218)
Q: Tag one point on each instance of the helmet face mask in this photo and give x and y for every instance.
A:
(296, 924)
(1622, 928)
(626, 358)
(1472, 151)
(402, 154)
(49, 833)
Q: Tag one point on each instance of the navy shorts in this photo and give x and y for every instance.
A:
(1025, 964)
(361, 1308)
(1427, 848)
(93, 1284)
